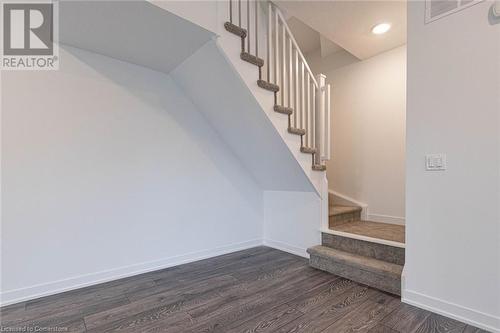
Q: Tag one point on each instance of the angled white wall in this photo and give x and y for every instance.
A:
(134, 31)
(109, 170)
(453, 216)
(220, 93)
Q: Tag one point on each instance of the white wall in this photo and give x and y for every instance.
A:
(292, 220)
(217, 89)
(453, 217)
(109, 170)
(368, 130)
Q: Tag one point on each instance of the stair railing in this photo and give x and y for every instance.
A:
(307, 96)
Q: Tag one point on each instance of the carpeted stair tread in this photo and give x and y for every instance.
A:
(308, 150)
(268, 86)
(364, 247)
(252, 59)
(319, 167)
(378, 230)
(298, 131)
(283, 109)
(234, 29)
(338, 210)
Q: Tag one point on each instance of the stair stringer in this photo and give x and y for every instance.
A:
(218, 91)
(249, 74)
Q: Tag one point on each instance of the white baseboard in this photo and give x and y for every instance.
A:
(386, 219)
(476, 318)
(46, 289)
(286, 248)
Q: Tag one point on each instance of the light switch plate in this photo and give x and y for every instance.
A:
(495, 8)
(435, 162)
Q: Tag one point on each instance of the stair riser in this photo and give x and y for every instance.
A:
(392, 254)
(344, 218)
(389, 284)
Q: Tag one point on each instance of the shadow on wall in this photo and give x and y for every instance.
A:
(157, 93)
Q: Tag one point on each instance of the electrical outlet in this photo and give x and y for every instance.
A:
(435, 162)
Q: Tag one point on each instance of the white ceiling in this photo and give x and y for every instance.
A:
(307, 38)
(133, 31)
(349, 23)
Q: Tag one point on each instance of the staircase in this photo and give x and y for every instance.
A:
(298, 94)
(370, 253)
(366, 252)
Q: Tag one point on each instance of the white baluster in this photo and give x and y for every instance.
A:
(282, 88)
(308, 111)
(290, 63)
(296, 89)
(276, 48)
(269, 42)
(302, 96)
(248, 26)
(313, 118)
(257, 30)
(239, 13)
(328, 124)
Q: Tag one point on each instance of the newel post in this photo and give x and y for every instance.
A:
(319, 118)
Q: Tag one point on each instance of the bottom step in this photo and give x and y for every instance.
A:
(369, 271)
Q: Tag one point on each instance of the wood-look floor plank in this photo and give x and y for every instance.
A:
(251, 305)
(177, 287)
(472, 329)
(12, 311)
(366, 316)
(406, 318)
(379, 328)
(218, 265)
(324, 315)
(268, 321)
(256, 290)
(166, 315)
(85, 297)
(40, 316)
(439, 324)
(321, 294)
(174, 301)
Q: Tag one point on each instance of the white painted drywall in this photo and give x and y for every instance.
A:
(109, 170)
(134, 31)
(368, 131)
(204, 13)
(292, 220)
(209, 78)
(453, 216)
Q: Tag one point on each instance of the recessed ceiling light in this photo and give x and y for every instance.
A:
(381, 28)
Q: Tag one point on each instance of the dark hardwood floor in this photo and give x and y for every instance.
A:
(256, 290)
